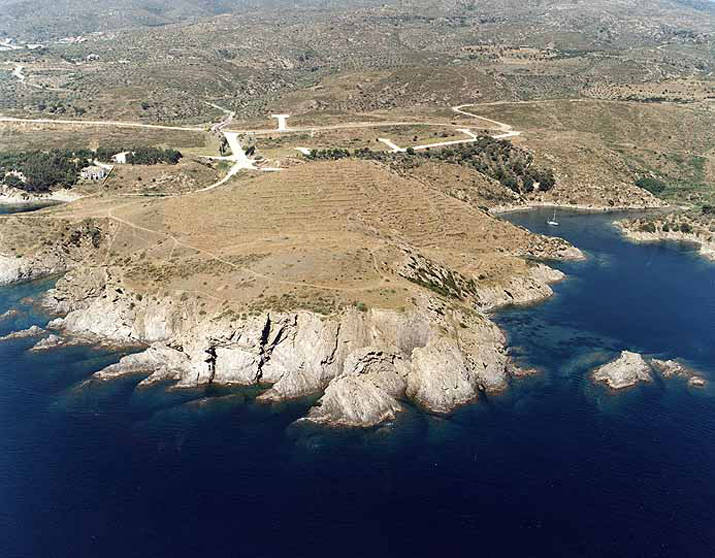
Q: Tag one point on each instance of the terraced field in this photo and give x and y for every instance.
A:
(327, 233)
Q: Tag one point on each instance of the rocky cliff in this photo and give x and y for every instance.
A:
(365, 363)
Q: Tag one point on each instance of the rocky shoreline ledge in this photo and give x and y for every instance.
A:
(365, 363)
(675, 227)
(13, 196)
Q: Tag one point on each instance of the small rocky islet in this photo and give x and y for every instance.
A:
(630, 369)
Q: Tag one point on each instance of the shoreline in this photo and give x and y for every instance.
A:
(361, 379)
(20, 197)
(705, 249)
(502, 209)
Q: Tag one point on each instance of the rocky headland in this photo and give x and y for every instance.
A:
(384, 310)
(691, 227)
(365, 362)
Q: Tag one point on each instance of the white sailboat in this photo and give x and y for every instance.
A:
(553, 222)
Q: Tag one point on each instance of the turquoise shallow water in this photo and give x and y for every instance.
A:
(557, 467)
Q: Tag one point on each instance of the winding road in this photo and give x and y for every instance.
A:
(238, 156)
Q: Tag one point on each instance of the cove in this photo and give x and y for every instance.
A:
(556, 467)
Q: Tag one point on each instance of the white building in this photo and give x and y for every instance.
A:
(93, 173)
(121, 158)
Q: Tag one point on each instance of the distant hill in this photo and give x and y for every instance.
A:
(46, 19)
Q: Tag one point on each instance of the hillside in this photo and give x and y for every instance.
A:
(351, 254)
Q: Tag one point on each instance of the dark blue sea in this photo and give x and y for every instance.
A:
(557, 467)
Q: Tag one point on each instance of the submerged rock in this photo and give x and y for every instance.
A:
(696, 381)
(627, 370)
(12, 313)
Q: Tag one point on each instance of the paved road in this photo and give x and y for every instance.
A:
(216, 128)
(507, 132)
(389, 143)
(505, 128)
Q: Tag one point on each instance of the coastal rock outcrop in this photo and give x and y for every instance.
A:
(16, 269)
(159, 363)
(8, 315)
(526, 289)
(673, 368)
(627, 370)
(367, 393)
(53, 341)
(362, 362)
(32, 331)
(631, 368)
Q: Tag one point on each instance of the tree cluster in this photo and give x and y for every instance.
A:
(511, 166)
(42, 170)
(140, 155)
(653, 185)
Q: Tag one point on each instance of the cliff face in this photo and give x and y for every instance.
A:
(365, 364)
(15, 269)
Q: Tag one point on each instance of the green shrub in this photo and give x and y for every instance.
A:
(653, 185)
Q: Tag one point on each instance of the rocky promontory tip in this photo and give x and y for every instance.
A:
(32, 331)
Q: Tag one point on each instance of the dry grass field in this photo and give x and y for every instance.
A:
(320, 236)
(29, 136)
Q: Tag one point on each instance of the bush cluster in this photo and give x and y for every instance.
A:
(44, 170)
(499, 159)
(653, 185)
